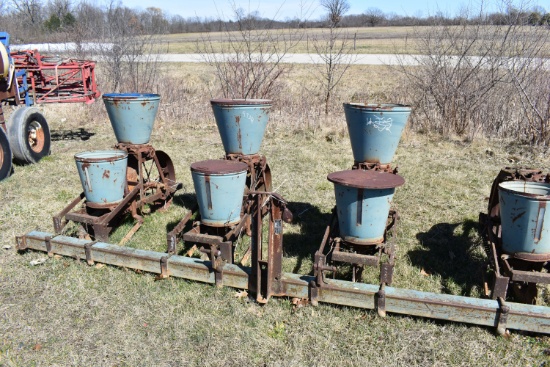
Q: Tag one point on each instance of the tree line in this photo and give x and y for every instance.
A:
(63, 20)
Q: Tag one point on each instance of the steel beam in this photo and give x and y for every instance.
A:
(485, 312)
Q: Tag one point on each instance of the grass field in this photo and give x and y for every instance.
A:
(368, 40)
(363, 40)
(65, 312)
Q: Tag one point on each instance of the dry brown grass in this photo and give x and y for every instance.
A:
(369, 40)
(67, 313)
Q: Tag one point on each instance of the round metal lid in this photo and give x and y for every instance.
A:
(218, 167)
(240, 102)
(366, 179)
(130, 96)
(380, 107)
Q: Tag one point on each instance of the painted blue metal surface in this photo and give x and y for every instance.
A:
(20, 75)
(363, 200)
(103, 175)
(23, 88)
(373, 206)
(241, 123)
(219, 195)
(5, 40)
(375, 130)
(525, 217)
(132, 115)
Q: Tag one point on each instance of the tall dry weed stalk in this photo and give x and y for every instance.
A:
(480, 78)
(248, 61)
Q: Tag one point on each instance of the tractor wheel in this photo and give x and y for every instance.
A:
(29, 135)
(5, 156)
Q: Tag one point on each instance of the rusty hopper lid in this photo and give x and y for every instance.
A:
(366, 179)
(380, 107)
(240, 102)
(218, 167)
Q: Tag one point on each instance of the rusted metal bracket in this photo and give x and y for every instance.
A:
(48, 241)
(163, 268)
(381, 301)
(175, 234)
(88, 252)
(267, 273)
(500, 287)
(386, 273)
(503, 313)
(58, 222)
(218, 258)
(21, 243)
(259, 173)
(313, 293)
(366, 166)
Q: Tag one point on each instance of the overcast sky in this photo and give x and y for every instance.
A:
(282, 9)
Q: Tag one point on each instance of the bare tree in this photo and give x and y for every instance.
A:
(333, 48)
(154, 21)
(127, 49)
(248, 62)
(335, 10)
(27, 16)
(478, 77)
(374, 16)
(59, 7)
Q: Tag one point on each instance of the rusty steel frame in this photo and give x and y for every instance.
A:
(140, 191)
(334, 249)
(497, 314)
(157, 190)
(509, 270)
(103, 220)
(56, 80)
(220, 240)
(374, 166)
(259, 174)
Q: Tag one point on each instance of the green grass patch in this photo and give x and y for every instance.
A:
(65, 312)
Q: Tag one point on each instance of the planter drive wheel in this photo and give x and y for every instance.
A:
(5, 156)
(151, 173)
(29, 135)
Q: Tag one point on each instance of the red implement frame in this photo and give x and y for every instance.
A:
(57, 80)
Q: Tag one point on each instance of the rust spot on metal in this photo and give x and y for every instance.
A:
(378, 107)
(239, 135)
(531, 257)
(366, 179)
(218, 166)
(240, 102)
(106, 174)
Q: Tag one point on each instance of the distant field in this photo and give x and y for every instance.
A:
(367, 40)
(372, 40)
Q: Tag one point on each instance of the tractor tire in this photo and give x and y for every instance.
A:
(5, 155)
(29, 135)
